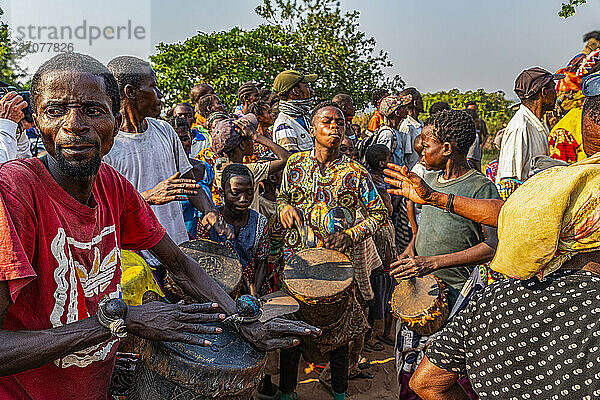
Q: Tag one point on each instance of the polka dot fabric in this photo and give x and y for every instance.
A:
(528, 339)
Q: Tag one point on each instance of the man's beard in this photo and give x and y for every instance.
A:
(79, 169)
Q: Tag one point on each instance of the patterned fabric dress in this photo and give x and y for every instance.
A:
(208, 156)
(329, 203)
(565, 140)
(251, 244)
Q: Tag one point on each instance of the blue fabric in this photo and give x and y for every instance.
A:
(244, 242)
(190, 214)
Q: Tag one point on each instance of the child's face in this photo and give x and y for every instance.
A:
(347, 148)
(186, 139)
(267, 117)
(239, 194)
(433, 150)
(386, 160)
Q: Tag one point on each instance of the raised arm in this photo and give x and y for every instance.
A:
(410, 185)
(281, 153)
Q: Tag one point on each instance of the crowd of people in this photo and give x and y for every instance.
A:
(511, 244)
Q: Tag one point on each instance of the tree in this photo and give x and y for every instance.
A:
(333, 46)
(10, 70)
(568, 9)
(307, 35)
(224, 59)
(493, 107)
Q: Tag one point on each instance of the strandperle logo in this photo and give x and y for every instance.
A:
(84, 31)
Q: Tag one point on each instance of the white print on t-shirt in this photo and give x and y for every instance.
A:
(68, 273)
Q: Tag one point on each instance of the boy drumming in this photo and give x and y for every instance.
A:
(323, 190)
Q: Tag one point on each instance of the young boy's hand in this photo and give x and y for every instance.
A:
(413, 267)
(246, 128)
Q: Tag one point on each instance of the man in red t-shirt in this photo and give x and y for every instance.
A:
(63, 220)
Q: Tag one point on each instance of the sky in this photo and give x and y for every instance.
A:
(433, 44)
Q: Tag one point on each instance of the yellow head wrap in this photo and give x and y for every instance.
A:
(550, 218)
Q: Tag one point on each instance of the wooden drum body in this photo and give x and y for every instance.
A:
(229, 369)
(321, 281)
(218, 260)
(421, 304)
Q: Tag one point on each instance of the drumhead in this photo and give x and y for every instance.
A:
(317, 273)
(218, 260)
(413, 297)
(229, 350)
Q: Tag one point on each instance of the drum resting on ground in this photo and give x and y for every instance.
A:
(229, 369)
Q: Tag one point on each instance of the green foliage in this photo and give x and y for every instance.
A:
(10, 71)
(332, 45)
(493, 107)
(224, 59)
(568, 9)
(307, 35)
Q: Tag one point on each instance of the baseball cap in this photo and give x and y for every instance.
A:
(532, 80)
(390, 103)
(290, 78)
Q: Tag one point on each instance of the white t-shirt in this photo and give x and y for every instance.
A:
(411, 128)
(420, 170)
(149, 158)
(524, 137)
(13, 144)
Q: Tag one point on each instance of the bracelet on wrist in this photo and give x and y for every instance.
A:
(111, 315)
(450, 204)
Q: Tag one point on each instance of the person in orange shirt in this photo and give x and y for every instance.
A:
(377, 118)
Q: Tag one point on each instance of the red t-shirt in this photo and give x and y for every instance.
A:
(64, 258)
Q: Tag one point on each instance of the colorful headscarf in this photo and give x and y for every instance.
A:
(588, 63)
(390, 103)
(549, 219)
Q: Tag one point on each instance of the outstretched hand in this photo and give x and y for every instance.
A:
(173, 188)
(160, 321)
(409, 184)
(277, 333)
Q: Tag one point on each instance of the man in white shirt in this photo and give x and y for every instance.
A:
(148, 152)
(290, 130)
(526, 135)
(411, 126)
(13, 142)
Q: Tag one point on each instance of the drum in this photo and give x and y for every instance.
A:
(421, 304)
(321, 281)
(218, 260)
(229, 369)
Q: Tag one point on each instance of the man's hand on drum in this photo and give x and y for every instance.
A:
(171, 189)
(277, 333)
(160, 321)
(413, 267)
(290, 216)
(409, 184)
(339, 241)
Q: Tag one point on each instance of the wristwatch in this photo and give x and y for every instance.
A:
(111, 315)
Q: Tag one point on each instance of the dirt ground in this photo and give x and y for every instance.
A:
(382, 387)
